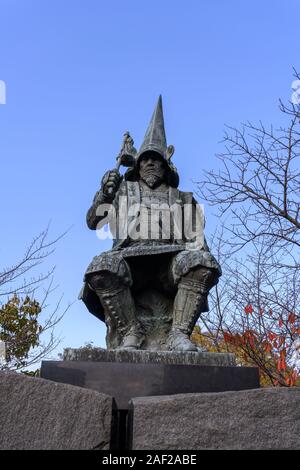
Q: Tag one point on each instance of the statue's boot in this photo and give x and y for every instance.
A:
(120, 310)
(190, 298)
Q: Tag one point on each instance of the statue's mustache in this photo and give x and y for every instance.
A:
(151, 169)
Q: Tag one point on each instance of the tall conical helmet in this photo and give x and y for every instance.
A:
(155, 141)
(155, 137)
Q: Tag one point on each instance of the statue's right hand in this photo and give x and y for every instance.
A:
(111, 182)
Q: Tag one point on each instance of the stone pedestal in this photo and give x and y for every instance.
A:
(125, 375)
(149, 357)
(128, 374)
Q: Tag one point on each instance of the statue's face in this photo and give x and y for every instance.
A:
(152, 169)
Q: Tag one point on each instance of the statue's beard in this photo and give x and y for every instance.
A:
(151, 179)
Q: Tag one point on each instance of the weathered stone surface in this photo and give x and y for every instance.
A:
(149, 357)
(125, 380)
(40, 414)
(267, 418)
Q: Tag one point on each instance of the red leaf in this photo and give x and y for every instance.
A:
(249, 309)
(283, 354)
(288, 381)
(268, 347)
(227, 337)
(280, 322)
(282, 339)
(281, 364)
(291, 318)
(272, 336)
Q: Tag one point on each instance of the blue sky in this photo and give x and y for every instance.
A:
(80, 73)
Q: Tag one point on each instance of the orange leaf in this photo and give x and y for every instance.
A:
(281, 364)
(272, 336)
(227, 337)
(268, 347)
(283, 354)
(288, 381)
(291, 318)
(251, 341)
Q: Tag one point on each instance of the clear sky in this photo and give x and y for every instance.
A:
(81, 72)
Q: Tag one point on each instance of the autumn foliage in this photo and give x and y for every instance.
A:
(20, 328)
(28, 316)
(270, 351)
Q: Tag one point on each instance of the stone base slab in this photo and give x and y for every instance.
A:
(126, 380)
(149, 357)
(38, 414)
(268, 418)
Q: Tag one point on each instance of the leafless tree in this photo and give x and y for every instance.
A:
(24, 278)
(257, 193)
(259, 185)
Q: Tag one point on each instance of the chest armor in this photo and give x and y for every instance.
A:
(155, 214)
(155, 220)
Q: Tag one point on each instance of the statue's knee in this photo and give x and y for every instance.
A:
(204, 276)
(199, 273)
(103, 280)
(108, 271)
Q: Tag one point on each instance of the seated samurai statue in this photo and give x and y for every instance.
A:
(152, 286)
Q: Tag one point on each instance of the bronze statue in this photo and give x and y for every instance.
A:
(152, 286)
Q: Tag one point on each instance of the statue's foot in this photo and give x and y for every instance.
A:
(180, 341)
(132, 339)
